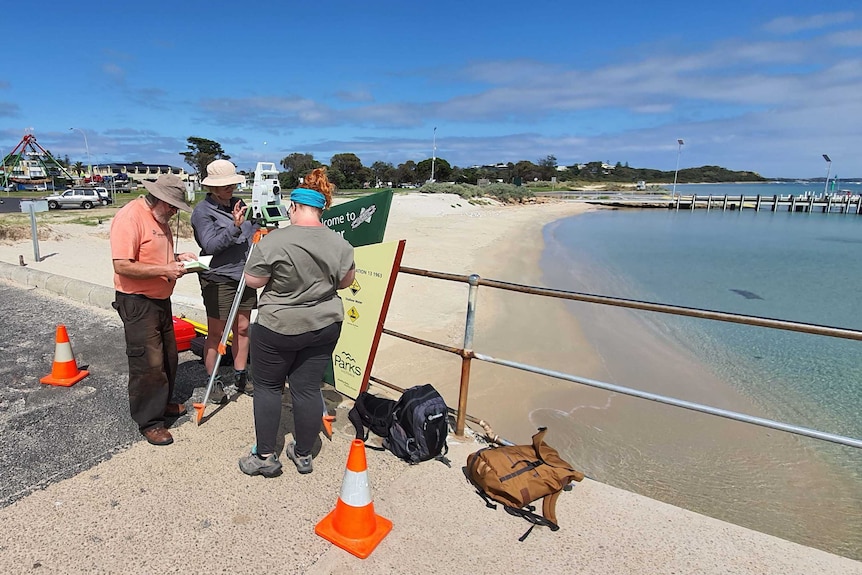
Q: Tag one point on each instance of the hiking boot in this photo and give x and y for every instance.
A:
(303, 463)
(217, 395)
(251, 464)
(175, 410)
(243, 383)
(158, 436)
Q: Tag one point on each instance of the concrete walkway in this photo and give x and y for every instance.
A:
(186, 508)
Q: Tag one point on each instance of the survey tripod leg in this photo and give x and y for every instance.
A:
(326, 419)
(222, 345)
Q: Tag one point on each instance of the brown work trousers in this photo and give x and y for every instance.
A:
(151, 347)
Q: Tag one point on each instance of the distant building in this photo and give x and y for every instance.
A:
(138, 172)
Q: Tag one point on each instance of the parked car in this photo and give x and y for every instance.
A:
(77, 198)
(106, 197)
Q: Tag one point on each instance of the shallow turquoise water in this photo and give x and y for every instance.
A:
(799, 267)
(791, 266)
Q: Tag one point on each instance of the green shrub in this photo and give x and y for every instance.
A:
(503, 192)
(507, 193)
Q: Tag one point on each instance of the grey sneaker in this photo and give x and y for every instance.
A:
(251, 464)
(243, 383)
(303, 464)
(217, 395)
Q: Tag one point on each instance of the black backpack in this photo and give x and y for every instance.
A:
(372, 412)
(414, 428)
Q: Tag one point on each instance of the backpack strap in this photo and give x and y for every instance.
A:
(361, 432)
(527, 513)
(488, 502)
(442, 457)
(549, 507)
(356, 419)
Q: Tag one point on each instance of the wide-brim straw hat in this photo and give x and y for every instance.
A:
(222, 173)
(169, 188)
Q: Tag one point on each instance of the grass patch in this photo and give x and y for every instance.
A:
(12, 233)
(87, 220)
(506, 193)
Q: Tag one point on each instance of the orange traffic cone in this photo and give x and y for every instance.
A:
(65, 370)
(353, 525)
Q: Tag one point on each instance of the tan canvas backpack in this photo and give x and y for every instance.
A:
(517, 475)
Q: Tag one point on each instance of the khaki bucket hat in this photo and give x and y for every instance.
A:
(169, 188)
(222, 173)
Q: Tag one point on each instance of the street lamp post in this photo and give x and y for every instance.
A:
(433, 153)
(678, 152)
(87, 147)
(828, 168)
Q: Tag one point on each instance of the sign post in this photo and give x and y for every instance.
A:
(31, 207)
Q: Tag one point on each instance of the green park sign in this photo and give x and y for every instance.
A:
(361, 221)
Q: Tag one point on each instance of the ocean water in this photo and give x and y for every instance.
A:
(792, 266)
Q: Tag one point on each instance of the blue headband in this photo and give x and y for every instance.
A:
(308, 197)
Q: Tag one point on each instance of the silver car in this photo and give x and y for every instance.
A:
(77, 198)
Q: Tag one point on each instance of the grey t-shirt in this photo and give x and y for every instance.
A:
(305, 265)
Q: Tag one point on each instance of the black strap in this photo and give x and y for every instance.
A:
(527, 513)
(527, 532)
(488, 502)
(529, 466)
(442, 457)
(361, 432)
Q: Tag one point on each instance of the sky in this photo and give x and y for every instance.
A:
(767, 86)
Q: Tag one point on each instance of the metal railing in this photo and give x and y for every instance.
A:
(467, 353)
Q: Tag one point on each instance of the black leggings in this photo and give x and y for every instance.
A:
(302, 360)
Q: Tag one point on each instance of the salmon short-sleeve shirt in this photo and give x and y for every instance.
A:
(136, 235)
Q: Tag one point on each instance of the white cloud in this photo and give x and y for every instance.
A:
(793, 24)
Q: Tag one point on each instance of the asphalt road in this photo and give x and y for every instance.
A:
(52, 433)
(10, 205)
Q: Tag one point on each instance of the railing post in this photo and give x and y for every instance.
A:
(470, 324)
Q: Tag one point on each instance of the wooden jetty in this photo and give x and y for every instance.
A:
(825, 203)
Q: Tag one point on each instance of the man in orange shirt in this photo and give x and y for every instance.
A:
(146, 269)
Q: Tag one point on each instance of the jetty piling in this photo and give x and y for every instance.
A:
(826, 204)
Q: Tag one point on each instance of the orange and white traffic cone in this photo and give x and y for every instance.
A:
(65, 370)
(353, 525)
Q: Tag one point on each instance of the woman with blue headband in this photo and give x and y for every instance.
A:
(299, 267)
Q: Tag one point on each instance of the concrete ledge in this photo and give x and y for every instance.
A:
(85, 292)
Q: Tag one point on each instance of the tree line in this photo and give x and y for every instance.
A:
(346, 170)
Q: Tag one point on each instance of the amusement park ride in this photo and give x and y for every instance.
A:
(30, 166)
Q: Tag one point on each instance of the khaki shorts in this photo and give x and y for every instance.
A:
(218, 297)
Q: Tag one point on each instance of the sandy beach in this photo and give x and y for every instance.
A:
(602, 433)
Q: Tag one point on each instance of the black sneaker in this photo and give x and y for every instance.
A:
(217, 394)
(243, 383)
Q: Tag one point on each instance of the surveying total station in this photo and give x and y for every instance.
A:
(266, 207)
